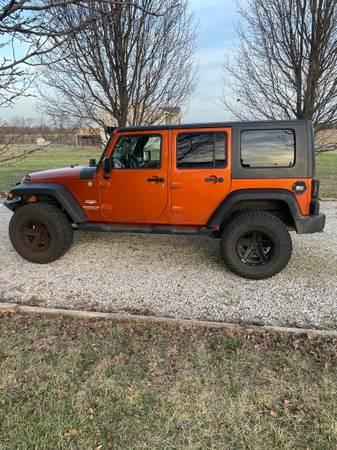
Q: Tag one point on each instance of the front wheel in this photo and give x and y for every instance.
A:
(255, 245)
(40, 233)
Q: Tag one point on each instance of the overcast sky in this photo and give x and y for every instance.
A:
(216, 37)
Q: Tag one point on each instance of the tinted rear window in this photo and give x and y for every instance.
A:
(201, 150)
(268, 148)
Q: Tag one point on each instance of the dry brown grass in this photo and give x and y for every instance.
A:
(84, 384)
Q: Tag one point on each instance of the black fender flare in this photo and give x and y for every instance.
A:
(61, 194)
(223, 210)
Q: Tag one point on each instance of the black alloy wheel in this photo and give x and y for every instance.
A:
(255, 244)
(36, 235)
(255, 248)
(40, 232)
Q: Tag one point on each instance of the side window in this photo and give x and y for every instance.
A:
(268, 148)
(201, 150)
(137, 152)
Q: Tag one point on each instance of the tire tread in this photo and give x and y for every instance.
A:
(268, 220)
(62, 224)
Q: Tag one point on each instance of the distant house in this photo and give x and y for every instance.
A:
(88, 137)
(164, 116)
(41, 141)
(170, 116)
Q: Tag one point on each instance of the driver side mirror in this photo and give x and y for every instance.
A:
(107, 166)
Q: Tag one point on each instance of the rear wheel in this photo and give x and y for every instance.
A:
(255, 245)
(40, 233)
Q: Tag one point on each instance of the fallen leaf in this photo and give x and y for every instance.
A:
(71, 432)
(110, 440)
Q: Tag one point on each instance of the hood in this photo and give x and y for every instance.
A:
(66, 173)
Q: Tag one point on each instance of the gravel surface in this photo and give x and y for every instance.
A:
(177, 276)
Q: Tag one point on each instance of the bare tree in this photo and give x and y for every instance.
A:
(286, 65)
(127, 65)
(28, 28)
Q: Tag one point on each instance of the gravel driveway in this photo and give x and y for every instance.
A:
(177, 276)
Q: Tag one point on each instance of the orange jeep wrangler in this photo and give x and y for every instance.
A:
(247, 183)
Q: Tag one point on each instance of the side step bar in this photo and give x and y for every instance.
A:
(156, 229)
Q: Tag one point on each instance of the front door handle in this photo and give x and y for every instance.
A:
(155, 180)
(214, 179)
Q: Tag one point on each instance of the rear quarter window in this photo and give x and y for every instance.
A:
(268, 148)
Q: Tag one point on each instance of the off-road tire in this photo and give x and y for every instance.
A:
(55, 225)
(259, 222)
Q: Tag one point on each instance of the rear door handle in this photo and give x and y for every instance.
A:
(214, 179)
(155, 180)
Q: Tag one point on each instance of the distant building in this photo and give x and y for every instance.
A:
(88, 137)
(165, 116)
(171, 116)
(41, 141)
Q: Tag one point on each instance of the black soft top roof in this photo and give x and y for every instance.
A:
(212, 125)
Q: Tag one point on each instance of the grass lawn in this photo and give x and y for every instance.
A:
(49, 158)
(327, 173)
(54, 157)
(67, 384)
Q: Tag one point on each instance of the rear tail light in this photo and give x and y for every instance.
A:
(314, 188)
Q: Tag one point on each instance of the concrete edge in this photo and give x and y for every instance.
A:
(8, 308)
(15, 308)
